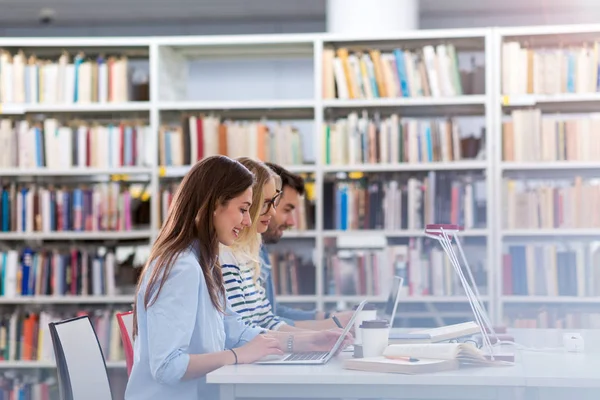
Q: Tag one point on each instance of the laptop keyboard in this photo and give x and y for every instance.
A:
(313, 355)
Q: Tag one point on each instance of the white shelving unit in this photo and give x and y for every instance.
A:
(415, 106)
(280, 76)
(176, 82)
(581, 102)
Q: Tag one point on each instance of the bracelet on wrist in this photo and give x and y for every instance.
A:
(235, 355)
(290, 344)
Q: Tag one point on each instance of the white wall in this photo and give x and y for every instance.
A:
(430, 20)
(204, 28)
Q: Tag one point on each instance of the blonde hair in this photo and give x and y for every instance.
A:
(249, 241)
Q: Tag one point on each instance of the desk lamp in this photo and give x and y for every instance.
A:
(446, 234)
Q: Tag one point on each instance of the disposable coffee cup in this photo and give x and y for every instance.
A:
(375, 337)
(369, 312)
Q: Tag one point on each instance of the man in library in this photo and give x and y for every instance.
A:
(293, 188)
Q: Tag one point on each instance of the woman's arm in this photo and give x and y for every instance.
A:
(310, 340)
(171, 320)
(316, 325)
(202, 364)
(289, 328)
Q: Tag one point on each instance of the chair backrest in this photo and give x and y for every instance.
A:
(80, 362)
(125, 320)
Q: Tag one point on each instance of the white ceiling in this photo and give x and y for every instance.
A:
(85, 12)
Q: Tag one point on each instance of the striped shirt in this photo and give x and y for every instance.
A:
(246, 297)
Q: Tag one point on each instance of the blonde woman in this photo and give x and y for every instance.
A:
(240, 262)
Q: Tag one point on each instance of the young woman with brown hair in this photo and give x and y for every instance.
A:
(183, 325)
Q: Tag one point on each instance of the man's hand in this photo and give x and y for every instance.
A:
(344, 317)
(323, 324)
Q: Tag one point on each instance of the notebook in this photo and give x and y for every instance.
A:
(435, 335)
(423, 358)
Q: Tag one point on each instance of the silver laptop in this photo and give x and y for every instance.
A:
(314, 357)
(391, 306)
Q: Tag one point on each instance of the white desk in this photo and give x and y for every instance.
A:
(534, 376)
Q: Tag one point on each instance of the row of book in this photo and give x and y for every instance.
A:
(405, 201)
(430, 71)
(530, 136)
(26, 336)
(109, 206)
(27, 386)
(552, 269)
(58, 272)
(550, 70)
(360, 272)
(426, 271)
(292, 274)
(70, 79)
(555, 319)
(361, 140)
(202, 136)
(548, 204)
(77, 144)
(304, 214)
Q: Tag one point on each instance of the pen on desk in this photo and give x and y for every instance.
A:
(337, 322)
(409, 359)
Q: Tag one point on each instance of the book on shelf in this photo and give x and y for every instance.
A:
(422, 358)
(67, 79)
(370, 272)
(530, 136)
(53, 144)
(111, 206)
(551, 269)
(397, 201)
(58, 272)
(533, 317)
(549, 70)
(430, 71)
(28, 386)
(27, 336)
(201, 136)
(360, 139)
(292, 274)
(551, 203)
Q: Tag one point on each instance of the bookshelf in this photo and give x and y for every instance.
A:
(381, 106)
(546, 274)
(244, 90)
(275, 81)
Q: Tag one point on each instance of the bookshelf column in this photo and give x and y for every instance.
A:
(356, 17)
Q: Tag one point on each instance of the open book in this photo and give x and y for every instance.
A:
(423, 358)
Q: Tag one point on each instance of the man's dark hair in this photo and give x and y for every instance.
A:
(288, 179)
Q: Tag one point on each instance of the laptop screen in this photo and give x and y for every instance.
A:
(392, 300)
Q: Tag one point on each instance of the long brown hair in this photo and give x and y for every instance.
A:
(249, 241)
(211, 182)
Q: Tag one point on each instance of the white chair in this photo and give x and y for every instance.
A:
(81, 366)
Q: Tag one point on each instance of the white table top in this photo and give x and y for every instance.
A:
(555, 369)
(332, 373)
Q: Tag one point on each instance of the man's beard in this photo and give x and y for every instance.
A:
(273, 236)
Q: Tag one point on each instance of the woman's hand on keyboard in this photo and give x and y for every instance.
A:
(259, 347)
